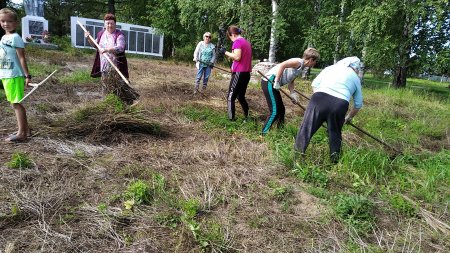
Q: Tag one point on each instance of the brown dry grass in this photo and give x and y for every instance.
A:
(227, 174)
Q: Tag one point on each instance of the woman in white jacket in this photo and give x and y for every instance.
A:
(204, 56)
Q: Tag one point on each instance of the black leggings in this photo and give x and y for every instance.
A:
(238, 87)
(323, 107)
(275, 104)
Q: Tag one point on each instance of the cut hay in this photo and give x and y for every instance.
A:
(109, 128)
(109, 121)
(113, 84)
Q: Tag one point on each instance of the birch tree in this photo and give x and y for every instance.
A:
(273, 38)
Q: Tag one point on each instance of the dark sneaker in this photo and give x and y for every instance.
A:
(334, 158)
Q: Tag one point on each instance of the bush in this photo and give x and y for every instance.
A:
(185, 53)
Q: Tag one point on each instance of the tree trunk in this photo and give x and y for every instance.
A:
(401, 70)
(112, 6)
(273, 39)
(315, 23)
(241, 17)
(400, 77)
(338, 39)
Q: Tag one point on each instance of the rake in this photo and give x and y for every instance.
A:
(349, 123)
(106, 56)
(35, 86)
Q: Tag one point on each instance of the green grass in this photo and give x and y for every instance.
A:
(355, 211)
(41, 70)
(414, 122)
(77, 77)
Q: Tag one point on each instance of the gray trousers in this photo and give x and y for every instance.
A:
(322, 108)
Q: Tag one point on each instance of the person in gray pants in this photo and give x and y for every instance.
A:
(333, 88)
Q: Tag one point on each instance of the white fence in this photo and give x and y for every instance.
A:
(441, 79)
(140, 39)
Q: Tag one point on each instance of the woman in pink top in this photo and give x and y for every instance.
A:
(241, 55)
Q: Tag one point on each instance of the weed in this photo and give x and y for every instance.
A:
(20, 160)
(367, 163)
(102, 207)
(190, 208)
(15, 210)
(111, 104)
(128, 239)
(129, 204)
(355, 211)
(403, 206)
(84, 114)
(280, 192)
(113, 101)
(319, 192)
(214, 238)
(158, 184)
(47, 108)
(169, 220)
(311, 174)
(138, 192)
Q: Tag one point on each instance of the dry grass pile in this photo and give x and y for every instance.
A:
(113, 84)
(108, 121)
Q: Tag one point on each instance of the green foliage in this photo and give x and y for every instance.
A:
(81, 154)
(311, 174)
(355, 211)
(190, 208)
(184, 53)
(83, 114)
(20, 160)
(213, 238)
(111, 103)
(374, 164)
(102, 207)
(170, 220)
(258, 221)
(114, 101)
(15, 210)
(403, 205)
(138, 192)
(280, 192)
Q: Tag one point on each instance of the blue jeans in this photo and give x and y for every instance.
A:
(204, 71)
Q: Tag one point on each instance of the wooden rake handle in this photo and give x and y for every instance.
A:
(106, 56)
(362, 130)
(283, 91)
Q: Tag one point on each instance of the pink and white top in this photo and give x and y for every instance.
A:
(107, 40)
